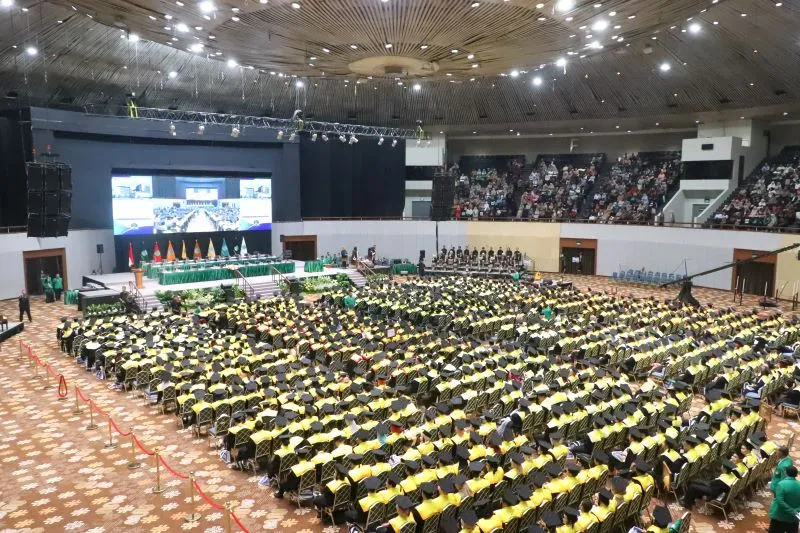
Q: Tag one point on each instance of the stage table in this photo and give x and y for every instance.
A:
(313, 266)
(219, 273)
(154, 270)
(400, 267)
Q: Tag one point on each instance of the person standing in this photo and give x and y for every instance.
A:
(24, 306)
(58, 286)
(48, 289)
(786, 504)
(784, 462)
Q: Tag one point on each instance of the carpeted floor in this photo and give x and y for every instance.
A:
(58, 476)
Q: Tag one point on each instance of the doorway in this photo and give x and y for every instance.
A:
(300, 247)
(578, 256)
(40, 262)
(757, 275)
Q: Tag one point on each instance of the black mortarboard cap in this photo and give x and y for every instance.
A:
(661, 516)
(403, 502)
(551, 519)
(510, 497)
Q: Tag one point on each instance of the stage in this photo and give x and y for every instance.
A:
(13, 329)
(266, 286)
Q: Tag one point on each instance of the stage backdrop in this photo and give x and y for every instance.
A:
(351, 180)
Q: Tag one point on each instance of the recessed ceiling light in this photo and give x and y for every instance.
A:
(388, 45)
(474, 65)
(424, 46)
(600, 25)
(168, 17)
(514, 73)
(744, 14)
(196, 47)
(694, 27)
(235, 9)
(295, 5)
(716, 22)
(564, 5)
(617, 126)
(151, 17)
(354, 47)
(326, 50)
(471, 56)
(539, 5)
(778, 4)
(755, 51)
(785, 113)
(31, 51)
(179, 3)
(612, 14)
(658, 123)
(475, 4)
(232, 63)
(207, 6)
(617, 26)
(537, 81)
(568, 19)
(561, 62)
(631, 17)
(665, 67)
(620, 39)
(454, 51)
(235, 19)
(598, 5)
(198, 28)
(417, 87)
(181, 27)
(173, 74)
(540, 19)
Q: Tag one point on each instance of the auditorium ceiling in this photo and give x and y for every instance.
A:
(445, 62)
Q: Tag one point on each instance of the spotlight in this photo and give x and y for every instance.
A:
(600, 25)
(561, 62)
(565, 5)
(353, 139)
(537, 81)
(419, 142)
(514, 73)
(172, 129)
(380, 141)
(235, 131)
(313, 137)
(280, 135)
(694, 27)
(201, 129)
(181, 27)
(296, 5)
(207, 6)
(299, 84)
(342, 138)
(292, 136)
(324, 137)
(394, 143)
(31, 51)
(417, 87)
(664, 67)
(173, 74)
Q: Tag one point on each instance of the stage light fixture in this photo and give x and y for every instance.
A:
(201, 129)
(380, 141)
(280, 135)
(394, 143)
(173, 129)
(353, 139)
(313, 137)
(292, 136)
(324, 137)
(235, 131)
(342, 138)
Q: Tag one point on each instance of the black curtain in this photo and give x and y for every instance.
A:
(15, 143)
(352, 180)
(257, 241)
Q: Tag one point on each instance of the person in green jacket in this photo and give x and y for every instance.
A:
(58, 285)
(784, 462)
(47, 286)
(786, 504)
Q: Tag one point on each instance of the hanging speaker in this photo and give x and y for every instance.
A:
(65, 174)
(35, 177)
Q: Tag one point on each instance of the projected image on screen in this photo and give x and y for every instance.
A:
(184, 204)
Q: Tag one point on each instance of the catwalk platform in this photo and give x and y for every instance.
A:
(13, 329)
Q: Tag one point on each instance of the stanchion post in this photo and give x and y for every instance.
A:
(91, 425)
(158, 489)
(192, 516)
(228, 507)
(133, 464)
(35, 368)
(46, 379)
(77, 409)
(110, 443)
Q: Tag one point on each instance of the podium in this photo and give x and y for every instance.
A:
(137, 274)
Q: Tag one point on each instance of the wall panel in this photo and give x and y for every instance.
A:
(536, 240)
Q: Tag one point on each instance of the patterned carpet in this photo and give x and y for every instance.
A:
(58, 476)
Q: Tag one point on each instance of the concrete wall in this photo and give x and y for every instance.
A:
(613, 145)
(80, 252)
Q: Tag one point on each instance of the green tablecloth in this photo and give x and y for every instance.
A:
(154, 270)
(400, 267)
(313, 266)
(71, 298)
(218, 273)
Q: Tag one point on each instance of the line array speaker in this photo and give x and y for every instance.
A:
(49, 199)
(444, 187)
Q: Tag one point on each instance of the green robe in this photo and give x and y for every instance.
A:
(780, 472)
(786, 503)
(58, 283)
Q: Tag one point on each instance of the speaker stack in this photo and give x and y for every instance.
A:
(49, 199)
(444, 188)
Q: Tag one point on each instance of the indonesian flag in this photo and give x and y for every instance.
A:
(198, 253)
(156, 254)
(183, 250)
(211, 253)
(131, 261)
(170, 252)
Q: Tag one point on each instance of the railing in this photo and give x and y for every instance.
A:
(13, 229)
(137, 296)
(280, 276)
(242, 283)
(364, 269)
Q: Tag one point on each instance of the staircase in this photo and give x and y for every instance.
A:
(264, 287)
(356, 277)
(149, 302)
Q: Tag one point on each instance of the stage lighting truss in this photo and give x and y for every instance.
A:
(244, 122)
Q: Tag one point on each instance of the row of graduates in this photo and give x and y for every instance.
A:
(480, 257)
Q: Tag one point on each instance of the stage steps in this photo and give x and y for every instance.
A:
(151, 302)
(356, 277)
(264, 287)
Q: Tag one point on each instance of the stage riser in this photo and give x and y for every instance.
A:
(14, 328)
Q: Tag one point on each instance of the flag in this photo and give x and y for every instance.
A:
(198, 253)
(183, 251)
(170, 252)
(243, 249)
(131, 261)
(224, 251)
(211, 253)
(156, 254)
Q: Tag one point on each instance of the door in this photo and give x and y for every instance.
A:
(577, 260)
(301, 247)
(421, 208)
(41, 262)
(756, 277)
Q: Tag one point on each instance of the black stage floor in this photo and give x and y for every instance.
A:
(13, 329)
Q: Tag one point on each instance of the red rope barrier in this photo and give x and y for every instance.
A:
(173, 472)
(116, 427)
(100, 411)
(63, 390)
(208, 500)
(238, 523)
(52, 372)
(80, 394)
(139, 444)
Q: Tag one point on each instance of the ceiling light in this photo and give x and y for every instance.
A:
(295, 5)
(694, 27)
(232, 63)
(474, 65)
(172, 129)
(514, 73)
(235, 131)
(475, 4)
(744, 14)
(600, 25)
(417, 87)
(565, 5)
(537, 81)
(424, 46)
(31, 51)
(133, 38)
(665, 67)
(541, 19)
(198, 28)
(568, 19)
(539, 6)
(620, 39)
(354, 47)
(181, 27)
(658, 123)
(612, 14)
(314, 137)
(631, 17)
(6, 3)
(207, 6)
(598, 5)
(716, 22)
(596, 45)
(263, 1)
(299, 84)
(453, 51)
(179, 3)
(778, 4)
(471, 56)
(394, 143)
(235, 19)
(785, 113)
(172, 75)
(388, 45)
(561, 62)
(196, 47)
